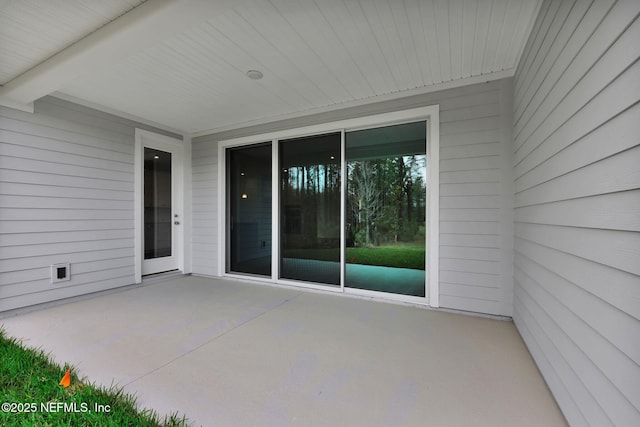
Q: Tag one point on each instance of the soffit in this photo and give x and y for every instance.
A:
(315, 56)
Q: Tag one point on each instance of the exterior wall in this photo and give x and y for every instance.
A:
(476, 189)
(577, 207)
(204, 211)
(66, 195)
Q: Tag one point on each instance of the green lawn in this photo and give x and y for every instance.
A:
(400, 255)
(31, 395)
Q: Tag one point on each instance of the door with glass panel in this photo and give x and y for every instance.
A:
(310, 209)
(249, 210)
(161, 216)
(385, 227)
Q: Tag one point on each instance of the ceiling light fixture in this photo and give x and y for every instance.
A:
(254, 74)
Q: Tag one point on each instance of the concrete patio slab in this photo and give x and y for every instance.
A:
(232, 353)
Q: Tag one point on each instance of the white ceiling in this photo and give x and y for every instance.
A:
(182, 63)
(33, 30)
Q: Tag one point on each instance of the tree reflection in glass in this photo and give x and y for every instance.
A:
(385, 209)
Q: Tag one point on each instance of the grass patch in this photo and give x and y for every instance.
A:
(29, 383)
(399, 256)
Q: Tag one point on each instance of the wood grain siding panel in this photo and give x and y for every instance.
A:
(23, 151)
(586, 352)
(468, 240)
(61, 180)
(67, 291)
(552, 368)
(577, 209)
(569, 15)
(205, 207)
(476, 195)
(487, 176)
(532, 46)
(614, 211)
(469, 202)
(616, 173)
(598, 62)
(15, 163)
(471, 279)
(17, 239)
(470, 227)
(557, 67)
(67, 143)
(620, 134)
(616, 248)
(67, 195)
(620, 93)
(618, 329)
(28, 251)
(540, 323)
(37, 190)
(465, 151)
(621, 292)
(80, 279)
(470, 164)
(44, 273)
(471, 214)
(476, 206)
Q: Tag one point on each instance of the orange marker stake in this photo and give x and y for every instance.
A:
(66, 380)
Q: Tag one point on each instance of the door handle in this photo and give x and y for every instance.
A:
(176, 222)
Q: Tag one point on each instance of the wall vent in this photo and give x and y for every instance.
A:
(60, 272)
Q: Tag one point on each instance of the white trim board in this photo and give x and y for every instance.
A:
(430, 113)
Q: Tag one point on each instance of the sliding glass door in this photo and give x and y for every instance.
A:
(249, 202)
(385, 209)
(310, 209)
(346, 209)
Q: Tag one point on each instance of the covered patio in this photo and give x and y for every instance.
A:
(253, 148)
(226, 352)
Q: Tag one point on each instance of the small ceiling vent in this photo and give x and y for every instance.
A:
(254, 74)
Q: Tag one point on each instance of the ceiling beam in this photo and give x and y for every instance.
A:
(147, 24)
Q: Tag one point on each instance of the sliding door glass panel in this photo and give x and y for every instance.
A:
(157, 204)
(385, 209)
(310, 209)
(249, 210)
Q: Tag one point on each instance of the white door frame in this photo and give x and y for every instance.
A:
(144, 139)
(429, 113)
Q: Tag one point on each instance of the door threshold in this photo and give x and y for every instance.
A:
(164, 275)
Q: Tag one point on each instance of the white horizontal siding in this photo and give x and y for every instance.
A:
(66, 195)
(577, 207)
(476, 192)
(205, 207)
